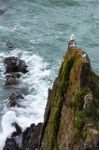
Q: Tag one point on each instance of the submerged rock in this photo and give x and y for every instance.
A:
(10, 45)
(2, 11)
(14, 64)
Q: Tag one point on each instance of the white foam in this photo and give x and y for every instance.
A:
(7, 128)
(33, 106)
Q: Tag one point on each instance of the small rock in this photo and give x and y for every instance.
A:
(14, 99)
(10, 45)
(2, 12)
(18, 130)
(10, 80)
(31, 137)
(14, 64)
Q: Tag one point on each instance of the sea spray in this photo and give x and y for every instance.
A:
(32, 107)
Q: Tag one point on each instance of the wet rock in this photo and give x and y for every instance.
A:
(14, 99)
(31, 137)
(18, 130)
(11, 144)
(14, 64)
(2, 12)
(28, 140)
(10, 45)
(15, 141)
(14, 75)
(12, 78)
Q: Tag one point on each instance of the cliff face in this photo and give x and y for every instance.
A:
(71, 120)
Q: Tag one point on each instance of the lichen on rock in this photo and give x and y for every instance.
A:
(73, 105)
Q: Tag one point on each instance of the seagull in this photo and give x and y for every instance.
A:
(72, 37)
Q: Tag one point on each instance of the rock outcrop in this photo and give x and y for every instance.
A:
(27, 140)
(14, 64)
(71, 119)
(14, 99)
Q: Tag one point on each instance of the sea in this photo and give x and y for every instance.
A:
(40, 31)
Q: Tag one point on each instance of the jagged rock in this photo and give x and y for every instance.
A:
(11, 144)
(18, 130)
(72, 44)
(14, 64)
(12, 78)
(14, 99)
(31, 137)
(46, 115)
(15, 141)
(14, 75)
(92, 139)
(70, 102)
(88, 104)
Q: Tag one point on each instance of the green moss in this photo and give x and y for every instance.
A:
(67, 68)
(80, 121)
(79, 99)
(60, 99)
(95, 115)
(63, 88)
(56, 122)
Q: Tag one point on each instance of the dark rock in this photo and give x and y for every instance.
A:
(12, 78)
(11, 144)
(85, 72)
(2, 12)
(18, 130)
(10, 45)
(14, 99)
(46, 115)
(14, 75)
(15, 141)
(14, 64)
(72, 44)
(31, 137)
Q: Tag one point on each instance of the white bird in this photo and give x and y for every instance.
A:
(72, 37)
(84, 56)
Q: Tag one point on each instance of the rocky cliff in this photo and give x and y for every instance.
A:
(71, 120)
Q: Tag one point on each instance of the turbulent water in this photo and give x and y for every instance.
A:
(40, 31)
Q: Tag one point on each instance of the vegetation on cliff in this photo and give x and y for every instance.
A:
(73, 105)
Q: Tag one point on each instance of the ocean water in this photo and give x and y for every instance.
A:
(40, 31)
